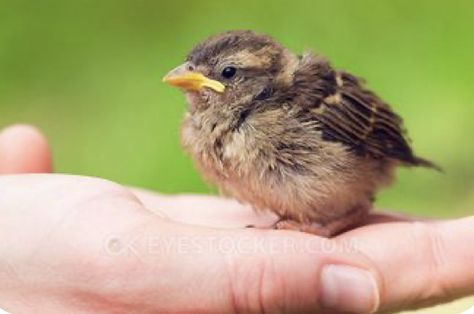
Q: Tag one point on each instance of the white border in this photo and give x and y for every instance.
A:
(469, 311)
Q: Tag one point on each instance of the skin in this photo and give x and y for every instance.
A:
(288, 134)
(59, 232)
(28, 153)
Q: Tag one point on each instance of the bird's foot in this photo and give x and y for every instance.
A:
(354, 218)
(308, 227)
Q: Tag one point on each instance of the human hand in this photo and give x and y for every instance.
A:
(78, 245)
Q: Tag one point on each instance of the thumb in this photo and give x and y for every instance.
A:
(420, 263)
(23, 149)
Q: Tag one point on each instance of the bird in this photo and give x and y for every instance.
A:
(288, 133)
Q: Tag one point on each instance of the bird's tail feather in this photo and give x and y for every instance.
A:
(421, 162)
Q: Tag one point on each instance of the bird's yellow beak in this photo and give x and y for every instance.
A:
(193, 81)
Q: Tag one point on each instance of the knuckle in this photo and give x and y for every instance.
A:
(101, 192)
(434, 258)
(257, 286)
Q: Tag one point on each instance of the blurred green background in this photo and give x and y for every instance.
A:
(89, 74)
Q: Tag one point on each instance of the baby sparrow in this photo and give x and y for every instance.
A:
(288, 133)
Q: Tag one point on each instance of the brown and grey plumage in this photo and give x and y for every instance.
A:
(288, 133)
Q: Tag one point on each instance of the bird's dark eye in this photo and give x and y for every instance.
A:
(229, 72)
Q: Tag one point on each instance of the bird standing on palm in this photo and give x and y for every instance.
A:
(288, 133)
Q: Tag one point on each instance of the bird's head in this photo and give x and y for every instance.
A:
(231, 70)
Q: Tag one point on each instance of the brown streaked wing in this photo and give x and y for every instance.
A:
(359, 119)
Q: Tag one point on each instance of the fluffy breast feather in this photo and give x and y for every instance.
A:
(275, 162)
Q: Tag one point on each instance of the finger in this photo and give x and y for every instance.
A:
(216, 211)
(378, 217)
(419, 263)
(23, 149)
(241, 271)
(204, 210)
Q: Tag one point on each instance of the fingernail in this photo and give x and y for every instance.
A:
(349, 289)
